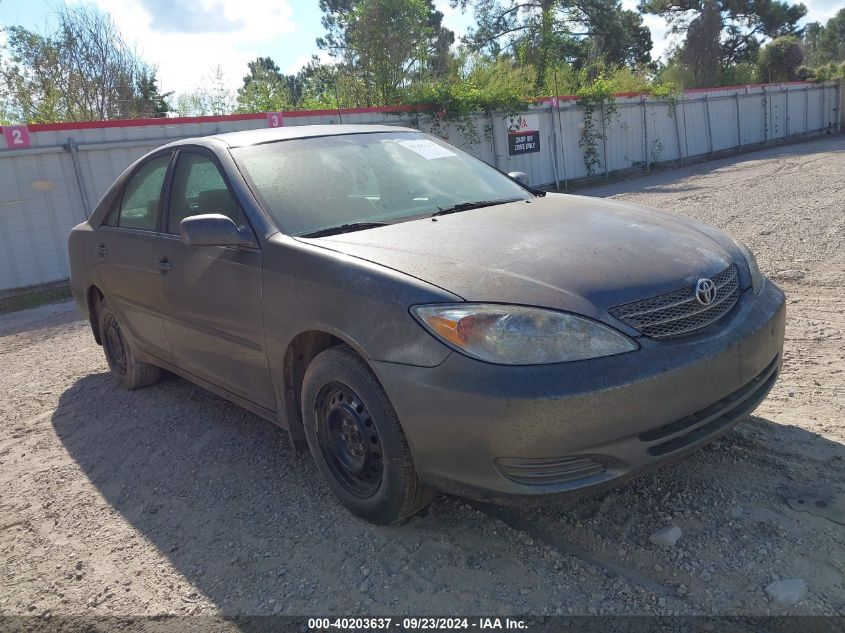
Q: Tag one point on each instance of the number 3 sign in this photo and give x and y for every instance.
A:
(275, 119)
(17, 136)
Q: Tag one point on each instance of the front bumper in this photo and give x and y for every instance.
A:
(491, 431)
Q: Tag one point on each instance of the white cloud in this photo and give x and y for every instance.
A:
(186, 43)
(661, 39)
(454, 19)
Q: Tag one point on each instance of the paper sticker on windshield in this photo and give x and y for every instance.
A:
(427, 149)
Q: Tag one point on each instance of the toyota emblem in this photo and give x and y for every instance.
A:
(705, 291)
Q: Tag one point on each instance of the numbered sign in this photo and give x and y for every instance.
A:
(17, 136)
(275, 119)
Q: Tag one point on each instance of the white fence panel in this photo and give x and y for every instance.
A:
(723, 117)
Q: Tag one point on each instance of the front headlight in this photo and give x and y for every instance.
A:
(756, 276)
(518, 335)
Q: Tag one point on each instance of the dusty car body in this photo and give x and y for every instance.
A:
(336, 330)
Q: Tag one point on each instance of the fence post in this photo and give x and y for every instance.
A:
(645, 133)
(840, 99)
(765, 115)
(709, 126)
(821, 101)
(738, 123)
(562, 143)
(806, 110)
(677, 132)
(72, 148)
(553, 152)
(493, 140)
(786, 108)
(604, 141)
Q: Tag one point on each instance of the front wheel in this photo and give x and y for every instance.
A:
(356, 440)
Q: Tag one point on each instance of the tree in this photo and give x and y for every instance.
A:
(264, 89)
(262, 67)
(825, 44)
(544, 33)
(211, 98)
(319, 83)
(780, 59)
(382, 44)
(720, 34)
(149, 102)
(83, 70)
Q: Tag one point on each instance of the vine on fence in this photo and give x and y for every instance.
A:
(598, 95)
(668, 93)
(454, 106)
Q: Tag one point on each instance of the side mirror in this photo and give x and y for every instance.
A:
(520, 176)
(212, 229)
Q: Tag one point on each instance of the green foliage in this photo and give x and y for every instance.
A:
(545, 33)
(780, 59)
(722, 34)
(738, 74)
(264, 89)
(149, 102)
(81, 70)
(595, 94)
(476, 85)
(828, 72)
(212, 97)
(382, 44)
(825, 43)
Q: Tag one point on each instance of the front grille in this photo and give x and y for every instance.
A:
(678, 312)
(681, 433)
(551, 470)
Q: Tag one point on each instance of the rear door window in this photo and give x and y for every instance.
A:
(140, 203)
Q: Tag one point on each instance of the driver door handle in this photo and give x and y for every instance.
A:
(164, 266)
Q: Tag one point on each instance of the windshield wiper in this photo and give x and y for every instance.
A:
(344, 228)
(466, 206)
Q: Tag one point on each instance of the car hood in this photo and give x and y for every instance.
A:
(567, 252)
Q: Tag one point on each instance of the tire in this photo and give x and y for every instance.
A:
(130, 372)
(356, 440)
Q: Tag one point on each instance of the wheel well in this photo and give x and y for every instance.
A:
(94, 298)
(299, 354)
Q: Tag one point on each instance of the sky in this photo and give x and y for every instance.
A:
(186, 39)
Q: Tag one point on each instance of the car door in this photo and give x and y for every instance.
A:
(126, 264)
(212, 309)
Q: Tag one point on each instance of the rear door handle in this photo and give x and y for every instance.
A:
(164, 266)
(101, 249)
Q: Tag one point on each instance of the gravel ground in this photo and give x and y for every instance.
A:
(171, 500)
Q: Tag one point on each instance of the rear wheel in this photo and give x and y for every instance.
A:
(356, 440)
(130, 372)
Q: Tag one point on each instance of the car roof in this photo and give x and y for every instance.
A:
(269, 135)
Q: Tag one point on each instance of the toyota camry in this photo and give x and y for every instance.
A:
(420, 320)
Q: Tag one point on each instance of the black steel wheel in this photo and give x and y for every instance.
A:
(113, 345)
(356, 440)
(130, 372)
(349, 440)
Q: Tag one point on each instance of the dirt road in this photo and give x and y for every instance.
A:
(170, 500)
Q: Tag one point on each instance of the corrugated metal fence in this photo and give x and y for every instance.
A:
(52, 175)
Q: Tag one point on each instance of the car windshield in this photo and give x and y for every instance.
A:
(353, 181)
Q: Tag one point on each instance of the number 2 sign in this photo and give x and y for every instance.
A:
(275, 119)
(17, 136)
